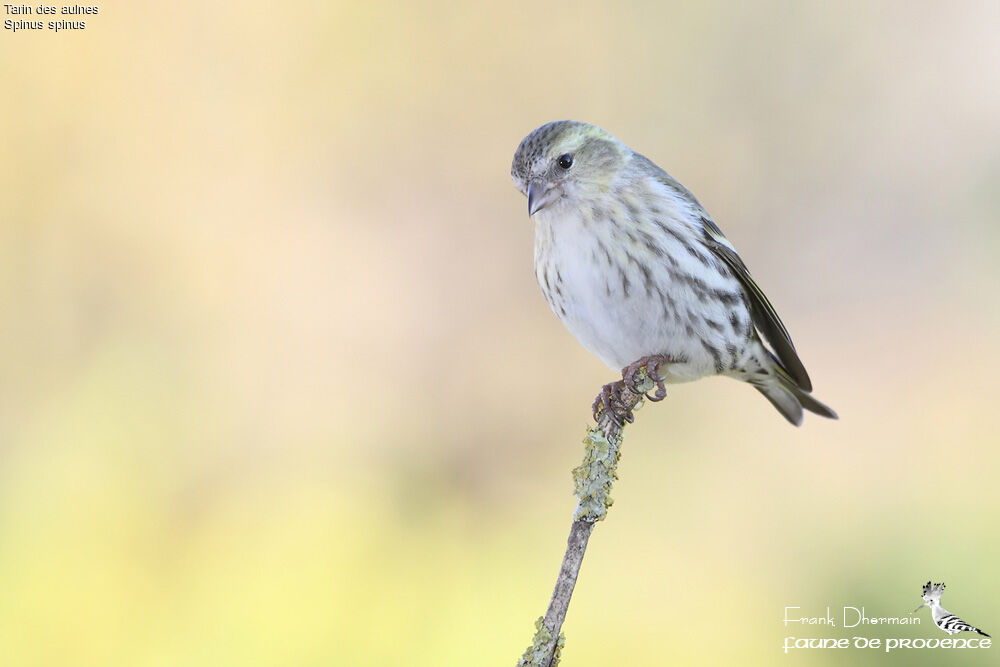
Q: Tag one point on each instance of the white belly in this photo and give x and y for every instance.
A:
(622, 302)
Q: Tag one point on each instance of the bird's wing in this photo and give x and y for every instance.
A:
(762, 313)
(764, 317)
(952, 623)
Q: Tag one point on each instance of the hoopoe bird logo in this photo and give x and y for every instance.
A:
(943, 618)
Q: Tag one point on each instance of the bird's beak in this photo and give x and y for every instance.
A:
(919, 608)
(539, 196)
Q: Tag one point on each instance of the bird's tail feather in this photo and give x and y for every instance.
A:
(789, 399)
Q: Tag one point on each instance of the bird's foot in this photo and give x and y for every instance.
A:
(650, 368)
(610, 401)
(634, 376)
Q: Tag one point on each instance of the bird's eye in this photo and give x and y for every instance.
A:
(565, 161)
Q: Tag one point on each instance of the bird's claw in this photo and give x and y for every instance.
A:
(609, 400)
(651, 364)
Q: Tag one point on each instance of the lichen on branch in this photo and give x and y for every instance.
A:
(540, 654)
(592, 481)
(594, 477)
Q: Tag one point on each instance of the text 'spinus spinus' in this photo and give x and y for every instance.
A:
(637, 270)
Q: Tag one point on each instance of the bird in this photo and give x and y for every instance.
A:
(643, 278)
(943, 618)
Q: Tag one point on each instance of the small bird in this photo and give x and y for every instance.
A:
(943, 618)
(640, 274)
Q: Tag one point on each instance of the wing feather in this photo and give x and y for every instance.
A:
(764, 317)
(762, 313)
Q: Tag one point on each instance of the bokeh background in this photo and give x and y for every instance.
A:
(277, 386)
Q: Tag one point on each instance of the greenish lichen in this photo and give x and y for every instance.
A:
(594, 477)
(592, 480)
(602, 449)
(536, 654)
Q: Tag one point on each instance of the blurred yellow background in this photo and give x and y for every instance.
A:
(277, 386)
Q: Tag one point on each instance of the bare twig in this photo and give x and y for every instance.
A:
(593, 479)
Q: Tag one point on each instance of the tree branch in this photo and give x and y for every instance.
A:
(593, 479)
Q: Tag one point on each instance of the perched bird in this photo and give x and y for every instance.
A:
(942, 617)
(639, 273)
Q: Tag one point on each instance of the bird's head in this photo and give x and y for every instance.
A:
(566, 161)
(932, 596)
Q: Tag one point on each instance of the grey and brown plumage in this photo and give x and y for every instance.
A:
(634, 266)
(943, 618)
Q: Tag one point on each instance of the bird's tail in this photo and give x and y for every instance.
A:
(789, 398)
